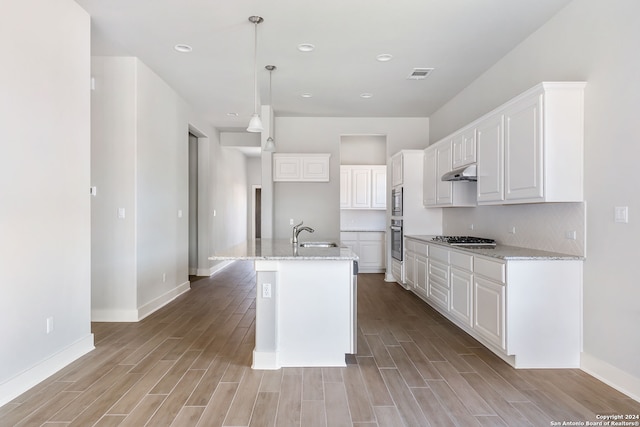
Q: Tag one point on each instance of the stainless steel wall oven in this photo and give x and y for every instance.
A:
(396, 239)
(396, 202)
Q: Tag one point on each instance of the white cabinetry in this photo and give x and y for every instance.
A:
(489, 307)
(490, 183)
(439, 277)
(527, 311)
(464, 148)
(397, 172)
(461, 285)
(363, 187)
(530, 150)
(438, 160)
(416, 267)
(370, 248)
(301, 167)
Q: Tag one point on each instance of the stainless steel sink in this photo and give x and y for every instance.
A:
(318, 245)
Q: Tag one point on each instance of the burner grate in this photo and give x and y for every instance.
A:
(464, 240)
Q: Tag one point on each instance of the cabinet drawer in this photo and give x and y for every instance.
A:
(439, 273)
(462, 261)
(422, 249)
(348, 235)
(410, 245)
(375, 236)
(490, 269)
(439, 254)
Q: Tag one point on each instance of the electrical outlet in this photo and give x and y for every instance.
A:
(570, 235)
(471, 226)
(266, 290)
(512, 230)
(49, 325)
(621, 214)
(291, 221)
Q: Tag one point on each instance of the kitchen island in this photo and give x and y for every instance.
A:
(305, 302)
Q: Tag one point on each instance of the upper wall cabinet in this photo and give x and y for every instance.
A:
(305, 167)
(396, 170)
(464, 148)
(439, 159)
(531, 149)
(363, 187)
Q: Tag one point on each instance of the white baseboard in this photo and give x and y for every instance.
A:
(163, 300)
(114, 315)
(612, 376)
(215, 269)
(17, 385)
(141, 312)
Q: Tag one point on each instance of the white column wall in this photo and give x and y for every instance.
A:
(44, 190)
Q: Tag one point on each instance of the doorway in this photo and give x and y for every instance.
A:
(193, 204)
(256, 212)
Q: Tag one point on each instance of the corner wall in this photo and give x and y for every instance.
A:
(44, 190)
(596, 42)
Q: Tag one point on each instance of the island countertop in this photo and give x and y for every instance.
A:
(282, 249)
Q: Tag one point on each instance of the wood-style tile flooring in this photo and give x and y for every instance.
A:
(188, 364)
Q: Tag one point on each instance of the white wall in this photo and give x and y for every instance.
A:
(596, 42)
(44, 190)
(140, 158)
(318, 204)
(113, 173)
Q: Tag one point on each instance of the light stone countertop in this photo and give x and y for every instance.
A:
(503, 251)
(282, 249)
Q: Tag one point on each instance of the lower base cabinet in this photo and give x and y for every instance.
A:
(527, 311)
(370, 248)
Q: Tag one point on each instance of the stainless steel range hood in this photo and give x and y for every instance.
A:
(465, 173)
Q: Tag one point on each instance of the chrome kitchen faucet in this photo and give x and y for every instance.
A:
(297, 229)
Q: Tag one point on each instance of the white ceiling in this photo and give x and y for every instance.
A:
(460, 39)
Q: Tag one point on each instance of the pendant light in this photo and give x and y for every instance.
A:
(270, 145)
(255, 124)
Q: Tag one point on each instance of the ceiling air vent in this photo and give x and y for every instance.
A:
(419, 73)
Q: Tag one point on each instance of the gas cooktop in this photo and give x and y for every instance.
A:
(464, 240)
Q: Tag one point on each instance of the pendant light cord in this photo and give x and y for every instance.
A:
(255, 68)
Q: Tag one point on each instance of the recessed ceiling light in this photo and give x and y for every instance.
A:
(366, 95)
(183, 48)
(306, 47)
(232, 114)
(384, 57)
(306, 95)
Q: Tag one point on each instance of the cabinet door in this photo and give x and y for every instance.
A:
(371, 246)
(464, 148)
(490, 160)
(396, 170)
(462, 295)
(378, 187)
(444, 188)
(523, 150)
(286, 168)
(422, 276)
(361, 188)
(468, 147)
(315, 168)
(410, 271)
(430, 178)
(489, 311)
(345, 187)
